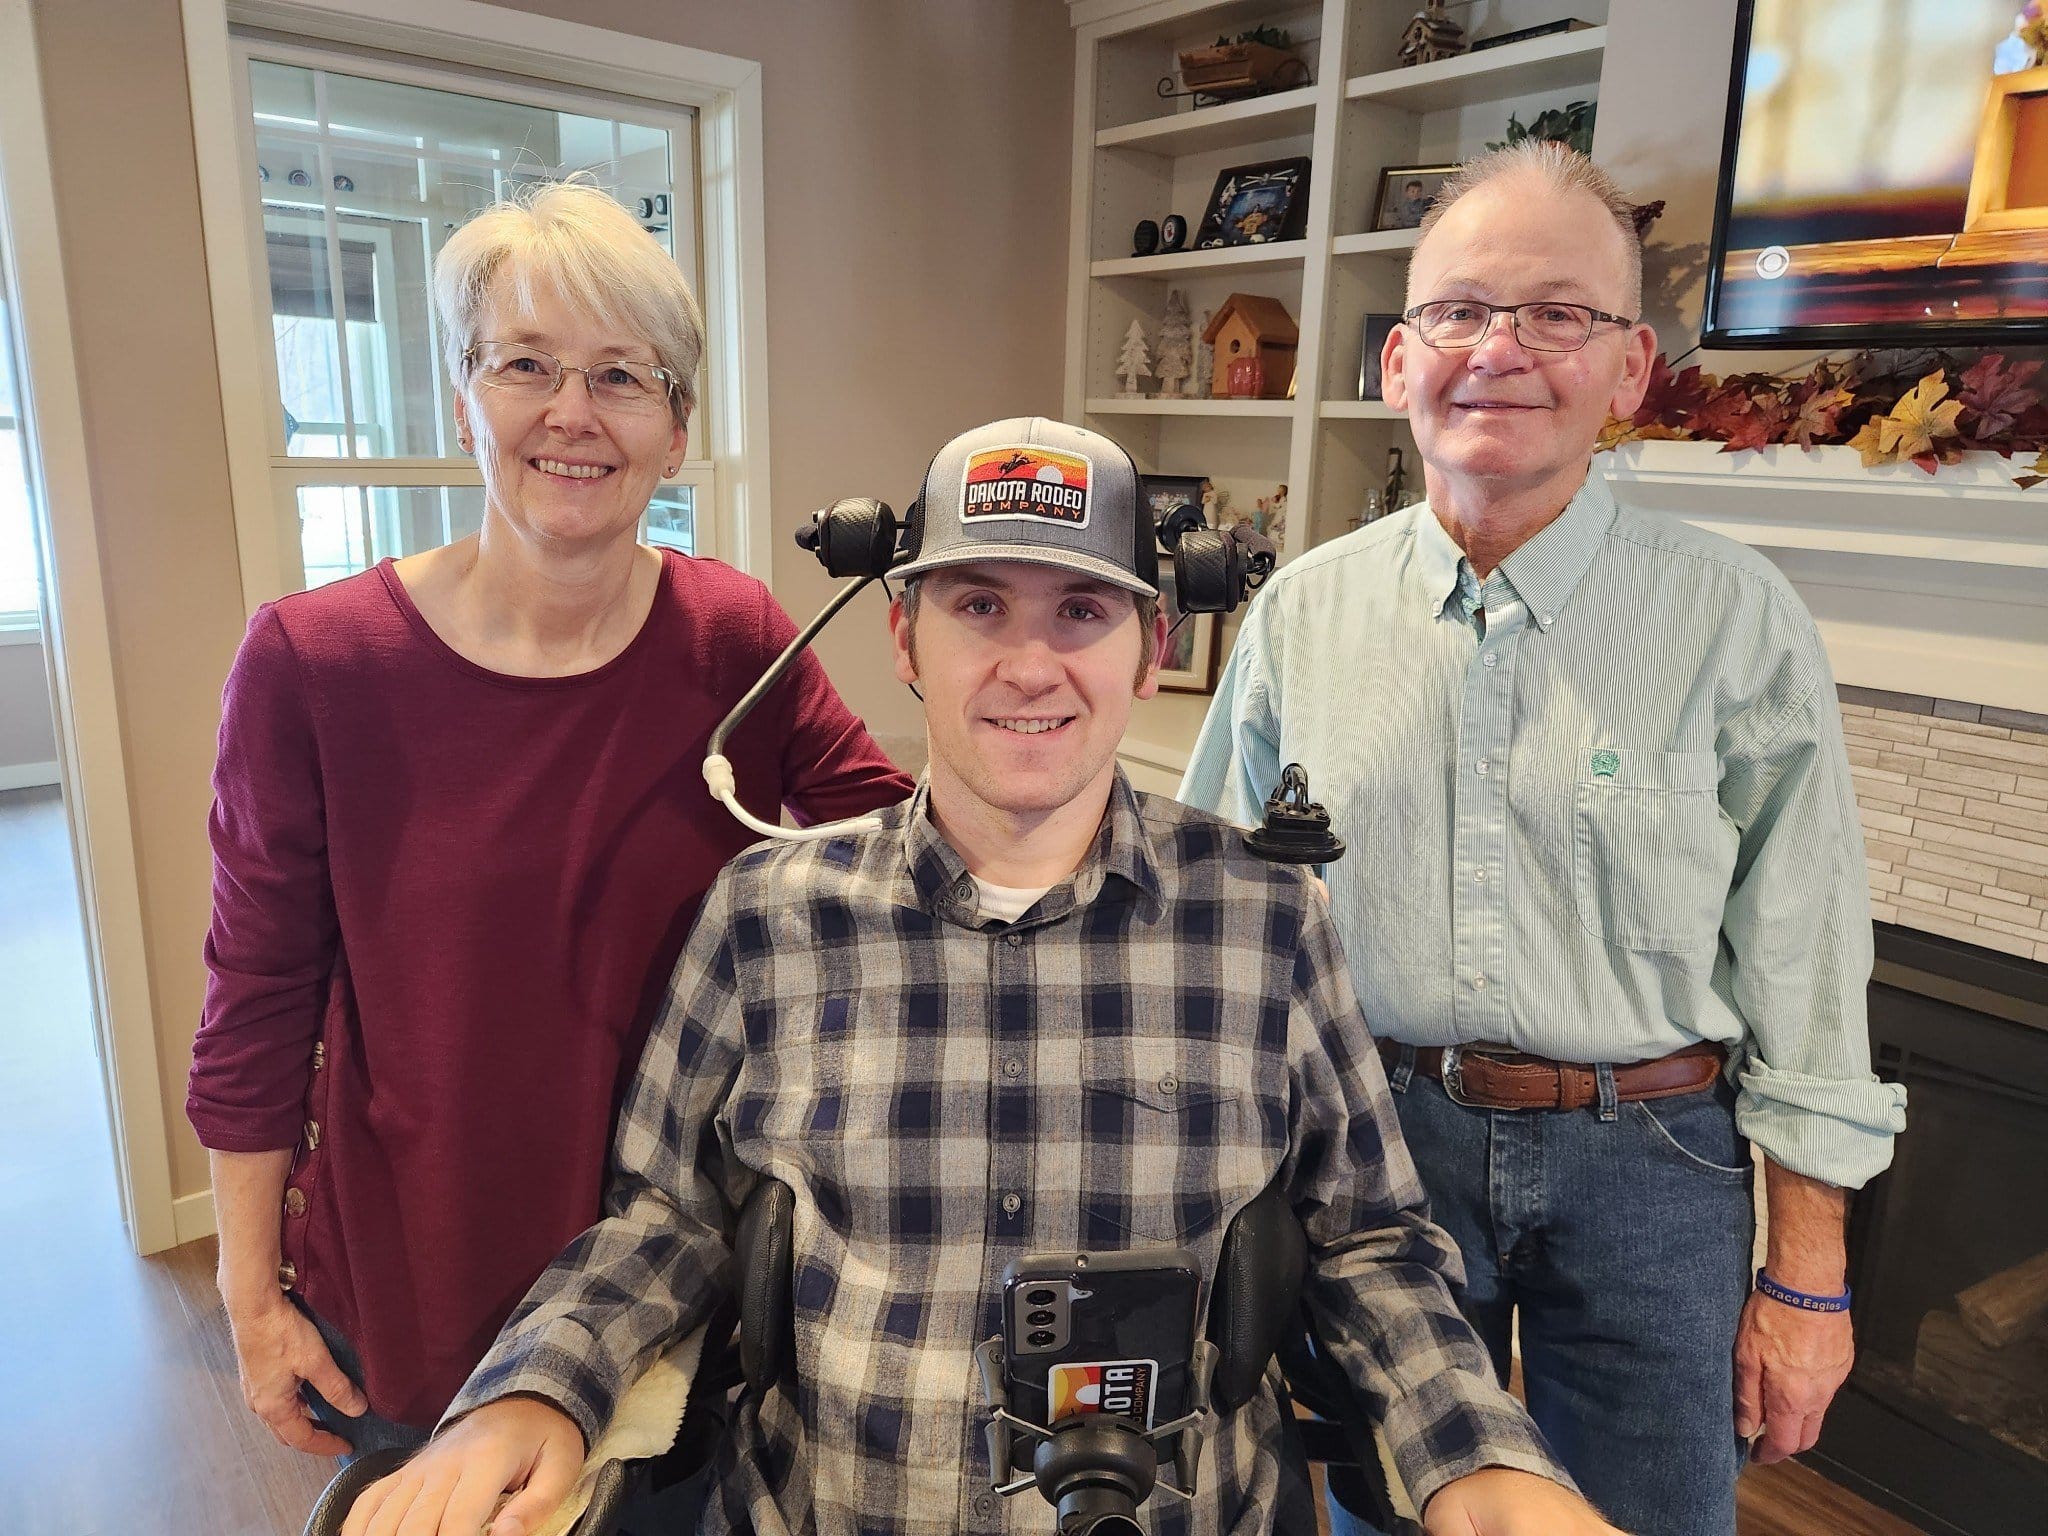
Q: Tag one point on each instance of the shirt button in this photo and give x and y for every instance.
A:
(1490, 659)
(984, 1503)
(295, 1202)
(1013, 939)
(1012, 1204)
(1479, 983)
(1479, 875)
(287, 1275)
(1549, 618)
(1169, 1084)
(1012, 1067)
(1483, 766)
(312, 1135)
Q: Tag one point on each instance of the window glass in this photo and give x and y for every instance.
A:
(344, 529)
(361, 181)
(18, 580)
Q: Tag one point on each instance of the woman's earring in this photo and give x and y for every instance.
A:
(670, 472)
(466, 444)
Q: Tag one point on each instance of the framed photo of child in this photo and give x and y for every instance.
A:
(1405, 191)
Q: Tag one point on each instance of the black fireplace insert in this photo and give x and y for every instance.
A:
(1945, 1420)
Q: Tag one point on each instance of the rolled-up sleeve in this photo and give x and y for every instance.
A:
(1796, 962)
(270, 948)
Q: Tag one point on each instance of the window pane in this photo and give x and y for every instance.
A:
(672, 519)
(18, 580)
(348, 528)
(18, 584)
(345, 528)
(361, 181)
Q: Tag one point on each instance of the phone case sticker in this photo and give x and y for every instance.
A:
(1104, 1386)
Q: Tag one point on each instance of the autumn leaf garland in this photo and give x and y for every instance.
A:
(1862, 402)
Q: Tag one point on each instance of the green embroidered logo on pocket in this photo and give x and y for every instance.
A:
(1606, 764)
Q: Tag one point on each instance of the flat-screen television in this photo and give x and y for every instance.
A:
(1884, 178)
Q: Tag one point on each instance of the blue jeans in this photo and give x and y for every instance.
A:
(366, 1432)
(1619, 1235)
(670, 1511)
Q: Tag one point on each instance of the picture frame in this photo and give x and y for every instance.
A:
(1256, 204)
(1192, 657)
(1372, 342)
(1162, 493)
(1398, 205)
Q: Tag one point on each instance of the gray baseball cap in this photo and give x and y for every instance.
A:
(1037, 490)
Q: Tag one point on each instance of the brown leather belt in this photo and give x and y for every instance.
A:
(1488, 1077)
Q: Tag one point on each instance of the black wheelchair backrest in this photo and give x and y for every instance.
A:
(1256, 1303)
(764, 1248)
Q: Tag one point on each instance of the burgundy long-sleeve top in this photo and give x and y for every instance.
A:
(445, 904)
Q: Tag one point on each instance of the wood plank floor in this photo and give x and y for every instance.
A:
(119, 1411)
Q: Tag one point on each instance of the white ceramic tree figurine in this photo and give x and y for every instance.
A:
(1176, 345)
(1205, 361)
(1134, 362)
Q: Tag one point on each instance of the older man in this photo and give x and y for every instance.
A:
(1036, 1010)
(1606, 897)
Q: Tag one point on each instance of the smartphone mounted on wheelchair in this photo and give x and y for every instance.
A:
(1097, 1372)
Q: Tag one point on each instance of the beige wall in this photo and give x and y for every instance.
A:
(917, 184)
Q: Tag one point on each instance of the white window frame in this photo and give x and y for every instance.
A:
(728, 468)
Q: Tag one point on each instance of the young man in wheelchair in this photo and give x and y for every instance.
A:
(1036, 1011)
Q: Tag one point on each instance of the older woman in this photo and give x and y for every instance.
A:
(459, 835)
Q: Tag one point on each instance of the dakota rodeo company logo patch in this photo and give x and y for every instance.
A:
(1105, 1386)
(1027, 482)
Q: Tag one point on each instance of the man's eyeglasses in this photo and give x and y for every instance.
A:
(620, 384)
(1546, 325)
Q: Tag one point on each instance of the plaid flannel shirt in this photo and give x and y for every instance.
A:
(1132, 1061)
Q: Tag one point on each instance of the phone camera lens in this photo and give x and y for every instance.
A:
(1039, 1338)
(1041, 1297)
(1043, 1318)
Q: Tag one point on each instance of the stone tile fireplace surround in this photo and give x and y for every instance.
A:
(1954, 800)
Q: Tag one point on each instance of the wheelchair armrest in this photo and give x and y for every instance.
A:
(340, 1495)
(608, 1497)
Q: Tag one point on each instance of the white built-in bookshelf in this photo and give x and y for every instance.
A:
(1137, 156)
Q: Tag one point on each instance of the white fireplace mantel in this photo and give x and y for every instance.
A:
(1924, 584)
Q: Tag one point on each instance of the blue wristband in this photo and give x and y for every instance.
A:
(1800, 1299)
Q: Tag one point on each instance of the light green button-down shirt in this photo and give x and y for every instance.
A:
(1610, 820)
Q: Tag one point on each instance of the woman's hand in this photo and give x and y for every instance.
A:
(276, 1348)
(453, 1487)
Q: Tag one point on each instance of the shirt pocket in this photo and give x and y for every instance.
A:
(1170, 1138)
(1651, 851)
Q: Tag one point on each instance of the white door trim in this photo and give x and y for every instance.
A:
(89, 743)
(726, 93)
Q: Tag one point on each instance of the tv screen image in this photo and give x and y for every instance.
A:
(1884, 178)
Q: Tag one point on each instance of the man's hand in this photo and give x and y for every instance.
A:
(1788, 1362)
(1788, 1366)
(276, 1348)
(1500, 1501)
(453, 1487)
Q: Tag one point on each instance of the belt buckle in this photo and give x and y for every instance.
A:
(1454, 1076)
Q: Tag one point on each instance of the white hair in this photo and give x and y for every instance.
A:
(575, 238)
(1563, 170)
